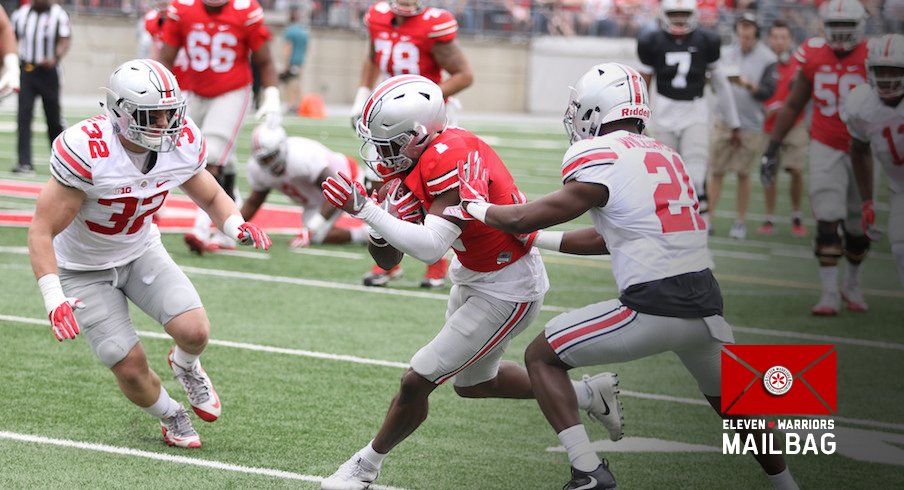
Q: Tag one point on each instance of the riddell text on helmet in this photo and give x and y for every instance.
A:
(635, 111)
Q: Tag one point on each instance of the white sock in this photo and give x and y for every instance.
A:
(359, 235)
(783, 480)
(580, 453)
(770, 219)
(584, 394)
(202, 225)
(164, 407)
(184, 359)
(897, 250)
(828, 276)
(852, 278)
(372, 456)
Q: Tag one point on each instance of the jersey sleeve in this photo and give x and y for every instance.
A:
(589, 161)
(850, 112)
(151, 22)
(646, 51)
(805, 53)
(253, 22)
(713, 47)
(69, 162)
(172, 33)
(443, 27)
(193, 146)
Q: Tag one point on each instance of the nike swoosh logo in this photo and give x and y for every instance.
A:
(159, 184)
(216, 404)
(604, 404)
(588, 486)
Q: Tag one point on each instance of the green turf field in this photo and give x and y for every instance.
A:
(306, 361)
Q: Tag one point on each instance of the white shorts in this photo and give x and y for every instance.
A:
(833, 191)
(153, 282)
(220, 119)
(610, 332)
(478, 328)
(692, 143)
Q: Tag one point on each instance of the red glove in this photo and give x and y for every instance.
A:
(527, 239)
(473, 180)
(403, 205)
(62, 319)
(867, 215)
(251, 234)
(344, 193)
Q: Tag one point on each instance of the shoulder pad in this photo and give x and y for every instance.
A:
(588, 153)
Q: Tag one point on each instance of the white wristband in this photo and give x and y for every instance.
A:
(52, 291)
(549, 240)
(231, 226)
(10, 60)
(478, 210)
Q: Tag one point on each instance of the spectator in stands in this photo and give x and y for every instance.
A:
(598, 17)
(294, 48)
(794, 148)
(753, 82)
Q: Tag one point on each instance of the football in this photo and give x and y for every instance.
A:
(398, 199)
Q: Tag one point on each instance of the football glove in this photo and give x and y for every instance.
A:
(9, 75)
(62, 319)
(473, 179)
(406, 207)
(345, 193)
(251, 234)
(769, 165)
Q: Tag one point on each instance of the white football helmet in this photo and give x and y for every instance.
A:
(678, 17)
(138, 90)
(401, 118)
(843, 23)
(886, 55)
(407, 8)
(268, 147)
(608, 92)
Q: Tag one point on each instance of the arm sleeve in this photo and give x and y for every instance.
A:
(727, 105)
(64, 29)
(427, 243)
(645, 54)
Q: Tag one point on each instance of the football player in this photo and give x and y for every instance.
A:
(220, 37)
(638, 193)
(680, 56)
(153, 24)
(406, 37)
(297, 167)
(498, 278)
(93, 246)
(830, 67)
(874, 115)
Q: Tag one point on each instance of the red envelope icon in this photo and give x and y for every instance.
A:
(779, 379)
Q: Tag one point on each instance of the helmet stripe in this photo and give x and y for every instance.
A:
(888, 40)
(379, 93)
(636, 93)
(161, 73)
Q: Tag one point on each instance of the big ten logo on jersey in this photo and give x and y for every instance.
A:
(830, 89)
(96, 145)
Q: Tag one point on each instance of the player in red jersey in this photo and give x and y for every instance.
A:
(153, 24)
(498, 278)
(220, 36)
(408, 38)
(830, 68)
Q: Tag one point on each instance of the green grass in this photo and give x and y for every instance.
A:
(306, 415)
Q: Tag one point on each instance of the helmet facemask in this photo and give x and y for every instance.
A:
(406, 8)
(386, 156)
(887, 81)
(679, 22)
(141, 122)
(580, 125)
(843, 36)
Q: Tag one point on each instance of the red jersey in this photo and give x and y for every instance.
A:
(406, 48)
(153, 23)
(785, 73)
(483, 248)
(832, 78)
(219, 45)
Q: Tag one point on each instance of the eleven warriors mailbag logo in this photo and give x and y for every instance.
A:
(779, 379)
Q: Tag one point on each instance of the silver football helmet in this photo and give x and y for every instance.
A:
(407, 8)
(885, 66)
(843, 23)
(268, 147)
(140, 92)
(678, 17)
(401, 118)
(608, 92)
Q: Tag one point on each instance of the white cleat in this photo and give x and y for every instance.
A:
(854, 300)
(354, 474)
(201, 395)
(178, 431)
(605, 407)
(829, 305)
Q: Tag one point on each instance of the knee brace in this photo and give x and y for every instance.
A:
(828, 247)
(855, 247)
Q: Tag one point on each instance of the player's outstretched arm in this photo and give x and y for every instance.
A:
(586, 241)
(862, 164)
(252, 203)
(204, 190)
(801, 88)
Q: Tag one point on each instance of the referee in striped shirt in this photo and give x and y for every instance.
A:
(43, 32)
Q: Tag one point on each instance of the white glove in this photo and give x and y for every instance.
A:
(9, 75)
(270, 107)
(358, 106)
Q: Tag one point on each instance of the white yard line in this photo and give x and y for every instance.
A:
(169, 458)
(328, 253)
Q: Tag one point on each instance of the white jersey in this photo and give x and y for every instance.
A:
(305, 161)
(871, 120)
(650, 223)
(113, 226)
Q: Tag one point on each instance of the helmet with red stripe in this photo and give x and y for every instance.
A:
(140, 92)
(678, 17)
(268, 147)
(406, 8)
(401, 118)
(608, 92)
(843, 23)
(885, 66)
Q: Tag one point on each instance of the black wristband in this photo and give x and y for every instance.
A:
(772, 149)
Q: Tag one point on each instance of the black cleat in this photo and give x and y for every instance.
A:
(599, 479)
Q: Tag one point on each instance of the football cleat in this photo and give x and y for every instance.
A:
(767, 228)
(605, 407)
(201, 395)
(354, 474)
(379, 276)
(600, 478)
(195, 243)
(177, 430)
(854, 300)
(828, 305)
(435, 276)
(738, 231)
(797, 228)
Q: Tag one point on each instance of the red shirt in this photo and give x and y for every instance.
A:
(219, 45)
(484, 249)
(406, 48)
(832, 78)
(153, 22)
(785, 73)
